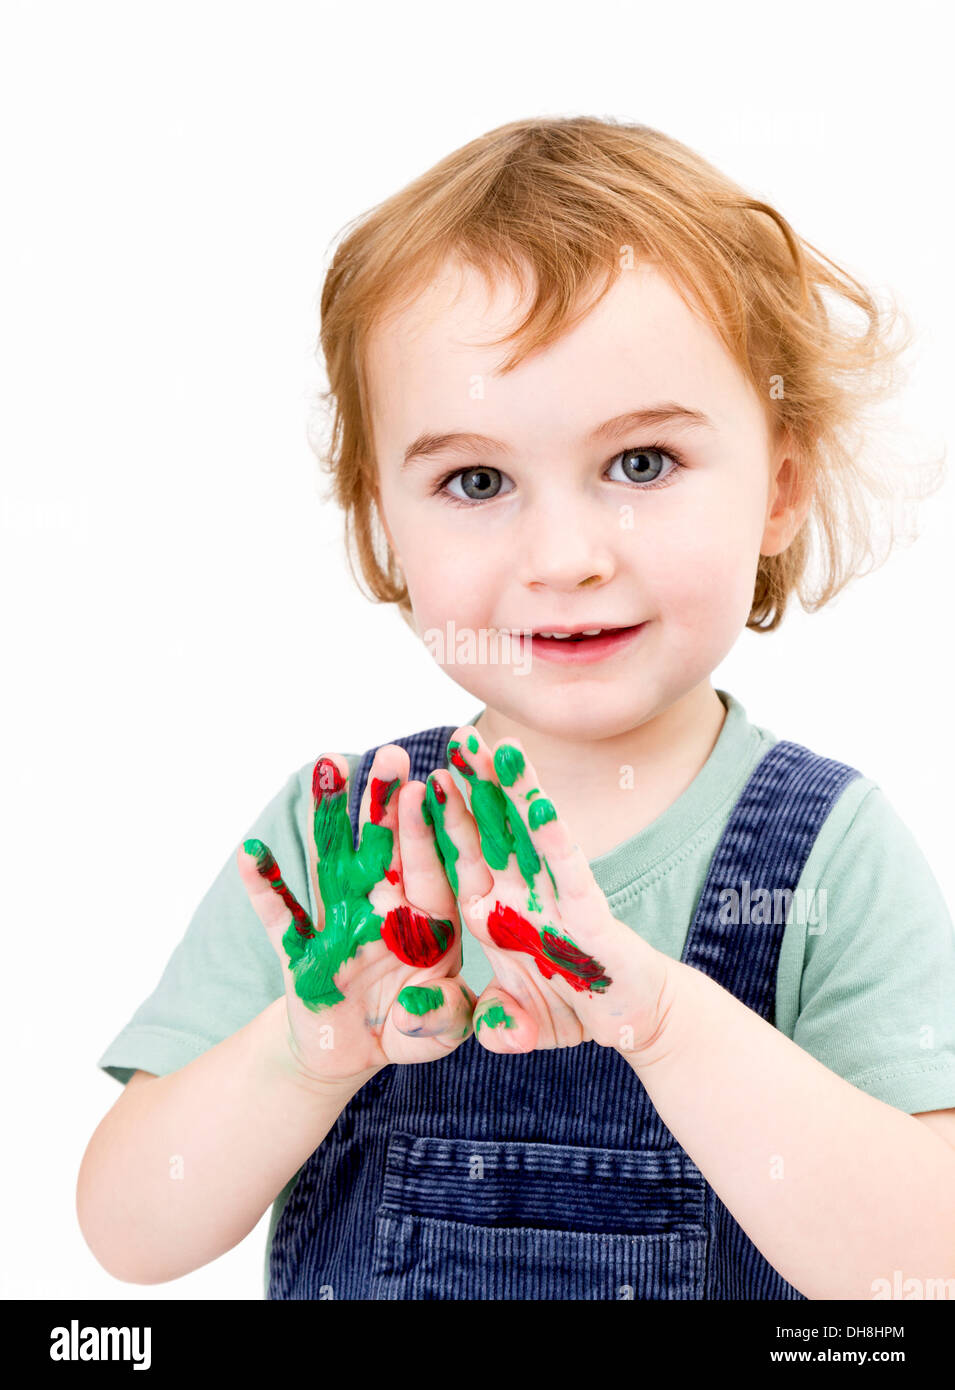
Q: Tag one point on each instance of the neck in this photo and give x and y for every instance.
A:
(600, 801)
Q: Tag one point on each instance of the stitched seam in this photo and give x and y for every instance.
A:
(667, 863)
(157, 1030)
(907, 1069)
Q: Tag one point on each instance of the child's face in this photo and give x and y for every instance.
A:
(552, 529)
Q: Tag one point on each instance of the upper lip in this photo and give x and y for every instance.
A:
(572, 631)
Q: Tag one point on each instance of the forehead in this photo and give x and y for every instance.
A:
(430, 365)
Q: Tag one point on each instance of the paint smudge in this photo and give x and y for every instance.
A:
(381, 793)
(503, 833)
(553, 881)
(494, 1017)
(416, 938)
(421, 999)
(457, 759)
(268, 868)
(432, 813)
(553, 953)
(540, 812)
(508, 764)
(346, 876)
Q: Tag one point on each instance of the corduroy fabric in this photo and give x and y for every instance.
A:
(550, 1174)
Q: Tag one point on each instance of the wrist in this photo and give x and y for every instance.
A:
(289, 1067)
(675, 1018)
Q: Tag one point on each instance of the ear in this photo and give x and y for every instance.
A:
(788, 504)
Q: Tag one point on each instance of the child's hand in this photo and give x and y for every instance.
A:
(566, 971)
(376, 978)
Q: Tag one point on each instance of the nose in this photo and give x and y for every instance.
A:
(564, 544)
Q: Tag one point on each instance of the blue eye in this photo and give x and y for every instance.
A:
(477, 484)
(645, 465)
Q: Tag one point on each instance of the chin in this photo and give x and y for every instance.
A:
(576, 715)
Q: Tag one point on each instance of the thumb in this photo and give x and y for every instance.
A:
(501, 1025)
(434, 1008)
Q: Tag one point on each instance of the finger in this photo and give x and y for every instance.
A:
(287, 923)
(328, 836)
(378, 846)
(563, 897)
(456, 837)
(569, 880)
(500, 823)
(434, 1008)
(501, 1025)
(576, 959)
(425, 880)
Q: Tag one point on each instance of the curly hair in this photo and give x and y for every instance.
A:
(569, 199)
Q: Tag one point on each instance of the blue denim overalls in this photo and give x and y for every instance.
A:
(550, 1174)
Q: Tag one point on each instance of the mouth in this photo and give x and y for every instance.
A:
(582, 643)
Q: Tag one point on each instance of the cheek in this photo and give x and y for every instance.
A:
(449, 579)
(701, 569)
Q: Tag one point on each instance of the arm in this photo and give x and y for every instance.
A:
(835, 1188)
(184, 1165)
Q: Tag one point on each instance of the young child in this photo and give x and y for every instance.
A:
(700, 1043)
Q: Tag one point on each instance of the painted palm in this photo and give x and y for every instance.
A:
(372, 946)
(566, 970)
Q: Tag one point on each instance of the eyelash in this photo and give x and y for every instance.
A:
(669, 453)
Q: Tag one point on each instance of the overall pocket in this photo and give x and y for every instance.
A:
(503, 1219)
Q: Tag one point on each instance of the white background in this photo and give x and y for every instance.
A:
(174, 585)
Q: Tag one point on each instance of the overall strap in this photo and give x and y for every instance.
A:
(427, 752)
(765, 845)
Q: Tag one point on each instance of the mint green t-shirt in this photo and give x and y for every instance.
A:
(866, 977)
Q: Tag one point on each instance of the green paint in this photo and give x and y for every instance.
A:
(432, 813)
(553, 884)
(540, 813)
(495, 1017)
(534, 791)
(473, 744)
(504, 833)
(499, 821)
(346, 875)
(508, 764)
(420, 999)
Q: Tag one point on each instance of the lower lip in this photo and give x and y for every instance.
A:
(565, 651)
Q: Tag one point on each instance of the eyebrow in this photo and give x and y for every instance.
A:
(667, 413)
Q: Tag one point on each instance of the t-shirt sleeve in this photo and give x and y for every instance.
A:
(225, 970)
(877, 998)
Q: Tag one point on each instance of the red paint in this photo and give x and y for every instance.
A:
(392, 875)
(269, 869)
(380, 795)
(326, 780)
(440, 795)
(586, 972)
(416, 938)
(553, 954)
(461, 763)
